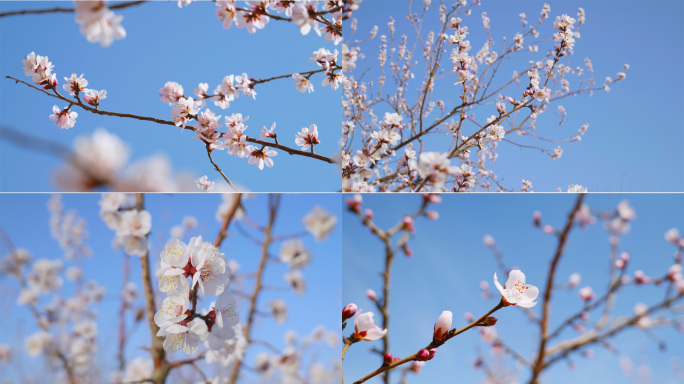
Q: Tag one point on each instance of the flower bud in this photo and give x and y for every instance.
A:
(488, 322)
(371, 294)
(368, 213)
(387, 360)
(348, 312)
(431, 353)
(408, 224)
(423, 355)
(442, 326)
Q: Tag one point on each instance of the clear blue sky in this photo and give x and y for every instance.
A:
(165, 43)
(450, 260)
(25, 219)
(635, 140)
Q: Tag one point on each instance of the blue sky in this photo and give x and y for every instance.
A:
(165, 43)
(634, 141)
(25, 219)
(450, 260)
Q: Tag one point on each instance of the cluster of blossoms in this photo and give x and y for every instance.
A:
(303, 13)
(101, 159)
(67, 324)
(233, 140)
(368, 168)
(179, 322)
(289, 360)
(39, 68)
(98, 23)
(328, 61)
(131, 225)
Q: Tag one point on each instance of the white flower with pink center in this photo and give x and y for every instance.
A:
(303, 15)
(208, 269)
(226, 12)
(261, 156)
(255, 18)
(171, 93)
(515, 291)
(365, 328)
(93, 97)
(75, 84)
(307, 137)
(174, 260)
(302, 83)
(178, 332)
(63, 118)
(185, 110)
(224, 318)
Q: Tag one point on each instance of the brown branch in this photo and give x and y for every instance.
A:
(544, 322)
(274, 202)
(98, 111)
(161, 365)
(216, 167)
(453, 333)
(65, 10)
(226, 221)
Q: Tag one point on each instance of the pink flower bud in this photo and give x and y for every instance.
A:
(423, 355)
(442, 326)
(349, 311)
(488, 240)
(468, 316)
(371, 294)
(387, 360)
(431, 353)
(408, 224)
(537, 218)
(368, 213)
(641, 278)
(432, 215)
(586, 294)
(407, 251)
(354, 204)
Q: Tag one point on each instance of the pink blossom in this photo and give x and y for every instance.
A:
(307, 137)
(93, 97)
(587, 294)
(63, 118)
(371, 295)
(171, 92)
(262, 156)
(348, 311)
(366, 329)
(302, 83)
(515, 291)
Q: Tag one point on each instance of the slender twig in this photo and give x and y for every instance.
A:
(161, 365)
(544, 322)
(65, 10)
(274, 202)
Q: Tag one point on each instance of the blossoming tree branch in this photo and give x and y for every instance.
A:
(398, 136)
(594, 322)
(191, 112)
(199, 312)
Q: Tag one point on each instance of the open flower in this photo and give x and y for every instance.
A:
(366, 328)
(516, 292)
(63, 118)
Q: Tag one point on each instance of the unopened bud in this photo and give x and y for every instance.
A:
(423, 355)
(488, 321)
(348, 312)
(442, 326)
(371, 294)
(387, 360)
